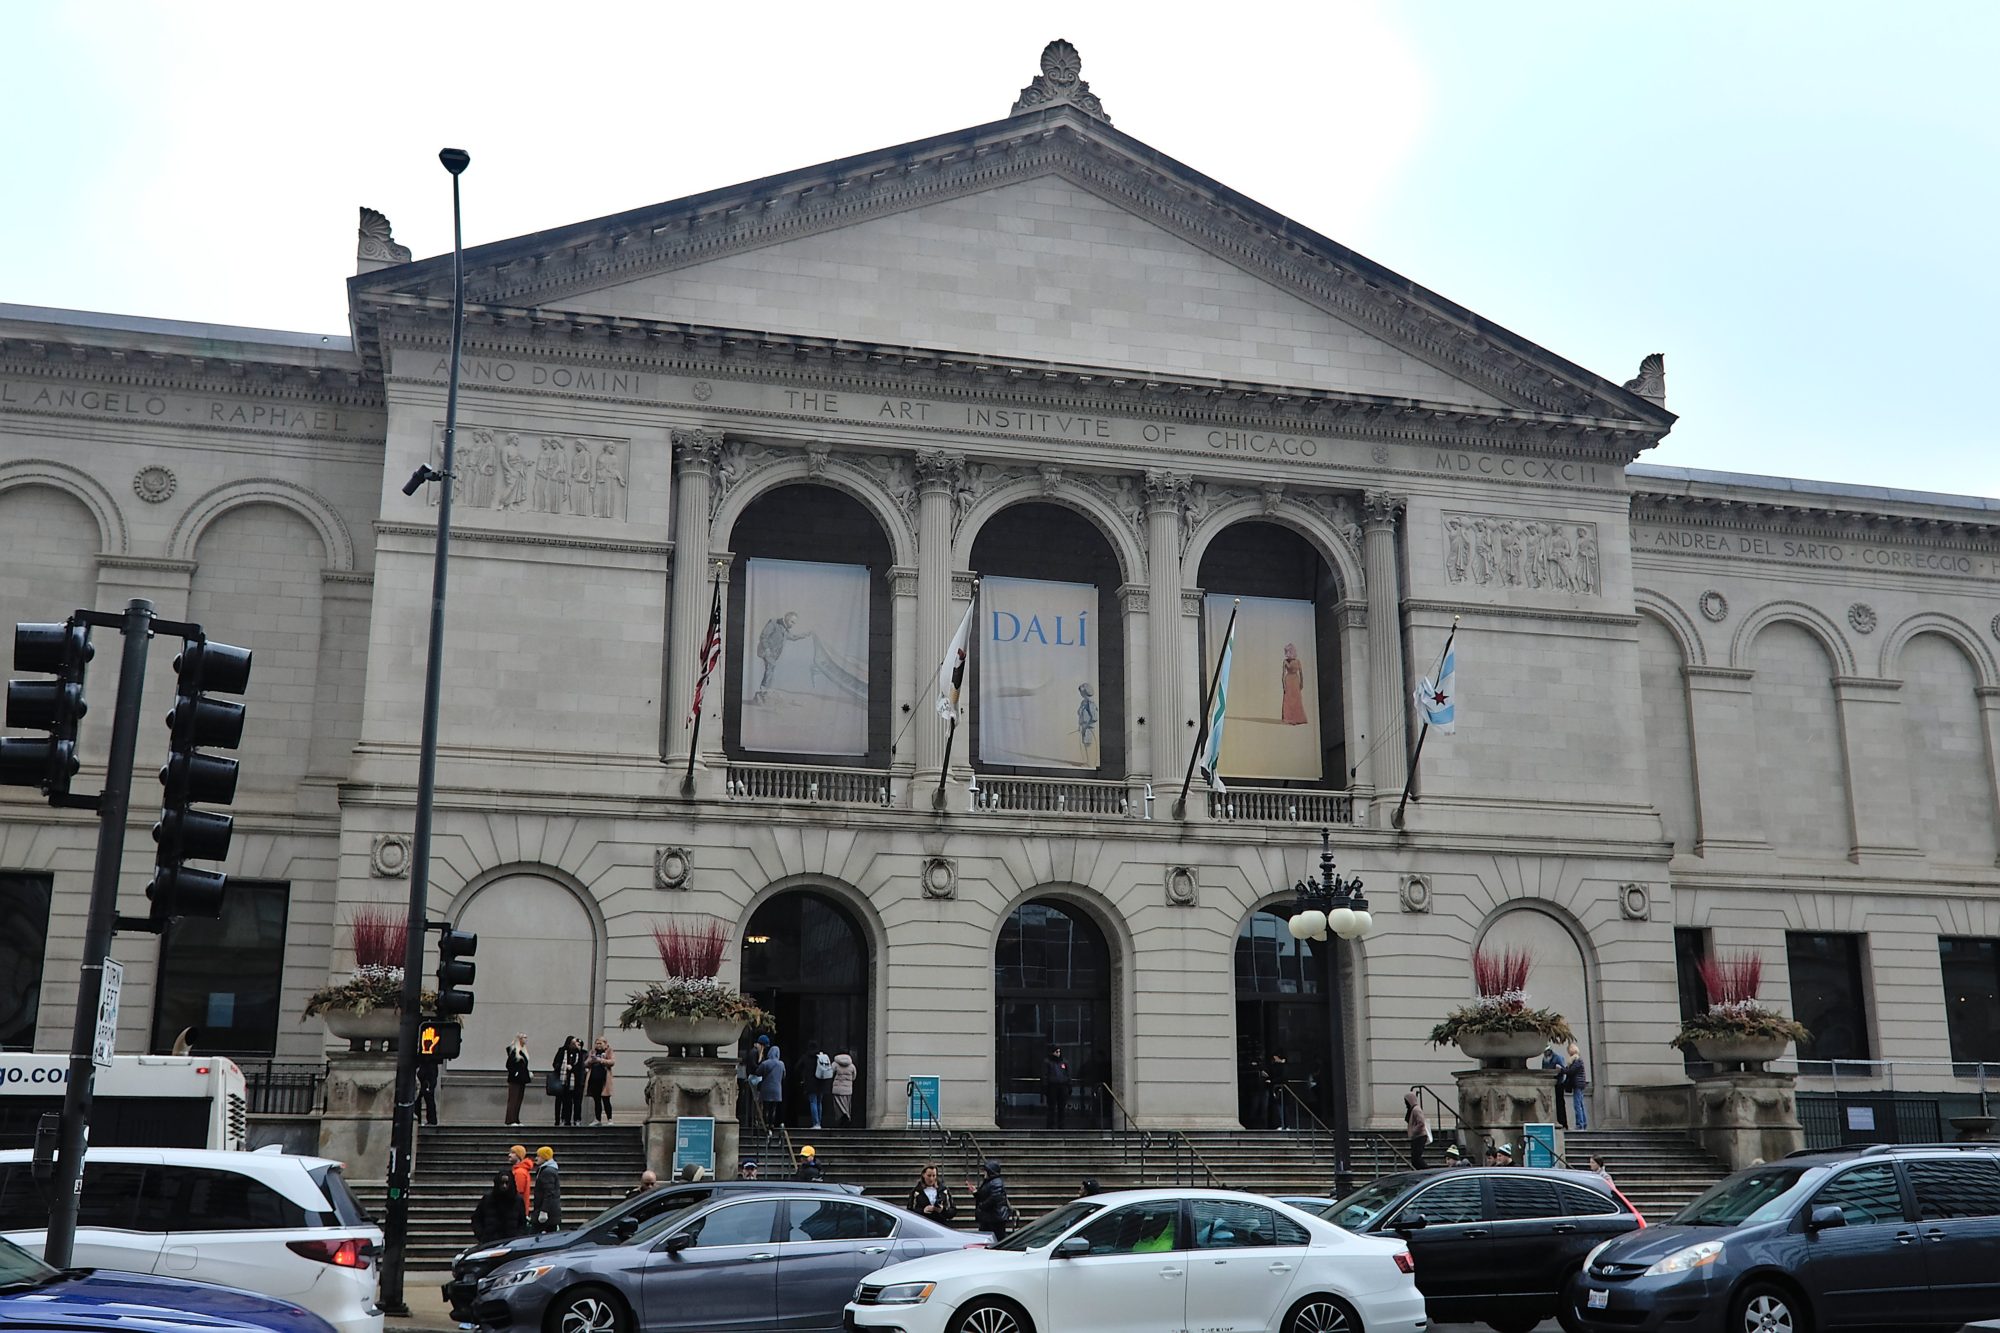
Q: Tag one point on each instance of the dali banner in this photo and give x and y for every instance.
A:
(1273, 728)
(805, 658)
(1038, 695)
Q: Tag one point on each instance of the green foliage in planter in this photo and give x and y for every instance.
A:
(1738, 1022)
(693, 997)
(372, 986)
(1498, 1018)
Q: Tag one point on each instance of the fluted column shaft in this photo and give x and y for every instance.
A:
(1388, 683)
(1166, 497)
(695, 455)
(938, 475)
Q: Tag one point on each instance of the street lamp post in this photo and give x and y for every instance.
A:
(1333, 906)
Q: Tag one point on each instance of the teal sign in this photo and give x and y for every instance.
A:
(1538, 1145)
(694, 1143)
(926, 1106)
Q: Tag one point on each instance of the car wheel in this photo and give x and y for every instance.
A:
(1525, 1323)
(1323, 1314)
(991, 1317)
(587, 1310)
(1763, 1307)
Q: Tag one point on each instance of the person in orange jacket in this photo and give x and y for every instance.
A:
(524, 1173)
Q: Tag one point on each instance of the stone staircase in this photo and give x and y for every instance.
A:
(1659, 1170)
(455, 1165)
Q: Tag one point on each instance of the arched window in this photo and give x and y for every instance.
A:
(807, 960)
(1051, 988)
(1281, 1022)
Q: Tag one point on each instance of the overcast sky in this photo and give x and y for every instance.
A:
(1795, 202)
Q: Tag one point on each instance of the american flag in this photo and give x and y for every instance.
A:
(711, 653)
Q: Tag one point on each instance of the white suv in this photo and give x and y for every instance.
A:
(263, 1221)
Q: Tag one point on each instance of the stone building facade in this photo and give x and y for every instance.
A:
(1699, 710)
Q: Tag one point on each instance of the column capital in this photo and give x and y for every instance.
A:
(1165, 491)
(696, 448)
(938, 471)
(1381, 509)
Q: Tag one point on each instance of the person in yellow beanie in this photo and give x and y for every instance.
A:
(547, 1210)
(809, 1165)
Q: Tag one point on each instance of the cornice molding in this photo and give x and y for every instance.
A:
(161, 563)
(1826, 522)
(462, 534)
(1413, 606)
(30, 358)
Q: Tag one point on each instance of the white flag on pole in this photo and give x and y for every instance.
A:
(951, 671)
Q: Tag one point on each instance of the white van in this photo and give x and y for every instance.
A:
(267, 1222)
(153, 1101)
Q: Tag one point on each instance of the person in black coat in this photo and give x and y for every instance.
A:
(568, 1070)
(498, 1213)
(548, 1191)
(519, 1075)
(1055, 1088)
(990, 1210)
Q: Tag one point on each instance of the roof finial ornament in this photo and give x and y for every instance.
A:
(1060, 84)
(377, 248)
(1651, 381)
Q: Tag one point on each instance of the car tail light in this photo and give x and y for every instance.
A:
(1629, 1208)
(1405, 1261)
(353, 1252)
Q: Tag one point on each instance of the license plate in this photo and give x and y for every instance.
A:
(1597, 1300)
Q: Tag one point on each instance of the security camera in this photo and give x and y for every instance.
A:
(425, 472)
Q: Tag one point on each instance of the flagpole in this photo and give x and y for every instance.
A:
(701, 677)
(1208, 704)
(1417, 756)
(950, 735)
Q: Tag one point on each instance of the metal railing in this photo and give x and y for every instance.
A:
(1287, 1090)
(1884, 1072)
(800, 784)
(1052, 796)
(1442, 1109)
(935, 1137)
(1180, 1148)
(273, 1088)
(1131, 1139)
(1278, 805)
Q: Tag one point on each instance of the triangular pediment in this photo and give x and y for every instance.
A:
(1046, 238)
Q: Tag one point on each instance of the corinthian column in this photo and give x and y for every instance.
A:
(938, 477)
(1387, 682)
(1166, 499)
(695, 455)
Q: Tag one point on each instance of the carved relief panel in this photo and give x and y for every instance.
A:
(1544, 554)
(535, 472)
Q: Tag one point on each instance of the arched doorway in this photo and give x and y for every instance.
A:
(538, 969)
(1051, 987)
(807, 960)
(1560, 979)
(1281, 1022)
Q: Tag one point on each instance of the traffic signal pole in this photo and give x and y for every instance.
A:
(402, 1127)
(97, 932)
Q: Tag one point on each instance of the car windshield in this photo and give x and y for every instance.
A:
(1758, 1195)
(651, 1228)
(20, 1269)
(1358, 1209)
(1043, 1230)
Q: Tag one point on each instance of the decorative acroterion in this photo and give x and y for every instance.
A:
(1060, 84)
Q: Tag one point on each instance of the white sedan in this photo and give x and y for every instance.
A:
(1155, 1261)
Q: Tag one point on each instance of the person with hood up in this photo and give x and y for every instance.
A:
(1418, 1128)
(842, 1091)
(548, 1191)
(771, 1089)
(990, 1210)
(498, 1214)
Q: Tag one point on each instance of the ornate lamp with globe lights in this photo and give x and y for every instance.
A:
(1335, 906)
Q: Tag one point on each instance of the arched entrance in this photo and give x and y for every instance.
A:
(538, 970)
(1560, 979)
(1281, 1022)
(1051, 987)
(807, 960)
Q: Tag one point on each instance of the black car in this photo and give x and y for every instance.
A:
(610, 1227)
(1884, 1237)
(1493, 1245)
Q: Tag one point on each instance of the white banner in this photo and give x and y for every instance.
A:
(1038, 695)
(805, 658)
(1274, 722)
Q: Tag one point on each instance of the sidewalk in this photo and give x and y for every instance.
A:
(425, 1295)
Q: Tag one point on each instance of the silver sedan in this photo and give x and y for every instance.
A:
(745, 1262)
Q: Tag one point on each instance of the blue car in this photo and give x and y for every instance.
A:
(34, 1295)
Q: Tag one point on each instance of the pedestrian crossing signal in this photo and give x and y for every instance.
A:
(438, 1041)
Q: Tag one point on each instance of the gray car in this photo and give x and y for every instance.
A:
(745, 1262)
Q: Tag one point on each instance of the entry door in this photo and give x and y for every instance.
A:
(1450, 1248)
(1134, 1280)
(1873, 1269)
(727, 1279)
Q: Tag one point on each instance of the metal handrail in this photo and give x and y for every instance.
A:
(932, 1123)
(1833, 1065)
(1289, 1091)
(1181, 1141)
(1130, 1134)
(1444, 1109)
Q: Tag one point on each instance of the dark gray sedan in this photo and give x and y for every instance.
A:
(745, 1262)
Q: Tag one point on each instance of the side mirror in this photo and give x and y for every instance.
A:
(679, 1241)
(1826, 1215)
(1071, 1247)
(1412, 1222)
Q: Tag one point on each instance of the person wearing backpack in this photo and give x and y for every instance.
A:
(821, 1087)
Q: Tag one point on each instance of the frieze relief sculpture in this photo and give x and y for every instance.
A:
(582, 476)
(1542, 554)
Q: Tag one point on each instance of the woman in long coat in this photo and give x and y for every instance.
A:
(597, 1075)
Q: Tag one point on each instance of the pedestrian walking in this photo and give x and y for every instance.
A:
(771, 1088)
(1578, 1075)
(930, 1198)
(520, 1072)
(548, 1191)
(1055, 1089)
(498, 1214)
(809, 1167)
(991, 1212)
(427, 1089)
(842, 1088)
(1418, 1128)
(523, 1172)
(597, 1073)
(820, 1094)
(647, 1180)
(1552, 1059)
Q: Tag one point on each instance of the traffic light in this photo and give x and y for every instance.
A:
(455, 969)
(184, 833)
(439, 1040)
(54, 706)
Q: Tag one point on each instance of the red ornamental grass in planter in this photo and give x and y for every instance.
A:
(691, 1008)
(1735, 1029)
(1500, 1027)
(368, 1005)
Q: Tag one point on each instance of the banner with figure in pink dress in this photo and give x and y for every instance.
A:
(1274, 724)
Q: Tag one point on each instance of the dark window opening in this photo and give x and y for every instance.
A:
(1971, 1001)
(1829, 996)
(24, 941)
(1052, 987)
(1690, 947)
(806, 960)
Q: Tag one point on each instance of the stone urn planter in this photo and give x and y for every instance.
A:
(380, 1023)
(1502, 1050)
(705, 1033)
(1740, 1052)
